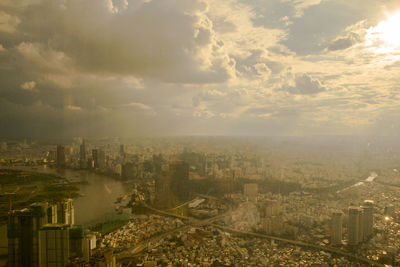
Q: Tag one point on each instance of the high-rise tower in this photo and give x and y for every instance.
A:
(54, 245)
(179, 173)
(336, 228)
(61, 156)
(99, 158)
(65, 212)
(82, 155)
(368, 218)
(23, 230)
(353, 225)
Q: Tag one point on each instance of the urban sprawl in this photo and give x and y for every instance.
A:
(204, 202)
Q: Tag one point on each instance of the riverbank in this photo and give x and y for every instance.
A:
(21, 188)
(95, 203)
(97, 192)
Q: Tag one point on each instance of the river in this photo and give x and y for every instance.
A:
(95, 205)
(98, 196)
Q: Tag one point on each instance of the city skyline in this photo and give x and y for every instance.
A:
(200, 200)
(202, 67)
(199, 133)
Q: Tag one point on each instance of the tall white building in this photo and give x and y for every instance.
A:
(52, 214)
(65, 212)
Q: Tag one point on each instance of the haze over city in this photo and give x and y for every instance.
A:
(201, 133)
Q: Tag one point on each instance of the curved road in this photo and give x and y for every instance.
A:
(154, 239)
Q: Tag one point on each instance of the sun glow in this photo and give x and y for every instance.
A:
(385, 37)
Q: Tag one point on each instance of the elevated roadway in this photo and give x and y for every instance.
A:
(192, 222)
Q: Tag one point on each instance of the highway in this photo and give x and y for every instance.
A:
(301, 244)
(192, 222)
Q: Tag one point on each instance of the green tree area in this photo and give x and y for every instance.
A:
(24, 188)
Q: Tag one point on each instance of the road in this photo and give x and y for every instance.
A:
(301, 244)
(194, 222)
(155, 239)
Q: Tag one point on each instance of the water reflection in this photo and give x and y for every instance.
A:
(98, 192)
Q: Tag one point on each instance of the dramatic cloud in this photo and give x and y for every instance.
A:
(161, 39)
(140, 67)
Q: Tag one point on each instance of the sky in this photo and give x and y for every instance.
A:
(199, 67)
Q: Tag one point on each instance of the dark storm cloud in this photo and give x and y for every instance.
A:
(76, 67)
(159, 39)
(42, 121)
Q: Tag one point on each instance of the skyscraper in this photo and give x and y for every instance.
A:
(52, 214)
(54, 245)
(95, 154)
(336, 228)
(60, 156)
(368, 218)
(76, 241)
(179, 173)
(19, 233)
(65, 212)
(272, 216)
(122, 151)
(39, 212)
(82, 155)
(361, 225)
(99, 158)
(164, 196)
(23, 229)
(353, 225)
(88, 245)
